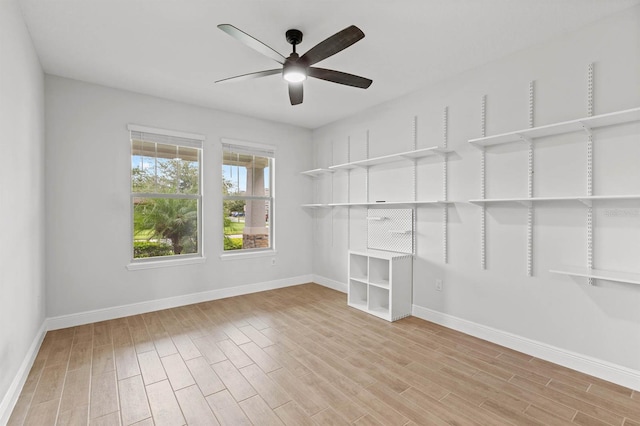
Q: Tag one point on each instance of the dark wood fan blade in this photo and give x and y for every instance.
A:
(332, 45)
(295, 93)
(251, 42)
(250, 76)
(340, 77)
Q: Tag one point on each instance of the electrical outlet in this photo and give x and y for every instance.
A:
(439, 285)
(273, 261)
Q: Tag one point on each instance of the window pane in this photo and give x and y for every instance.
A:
(245, 174)
(143, 167)
(246, 224)
(164, 226)
(164, 169)
(234, 220)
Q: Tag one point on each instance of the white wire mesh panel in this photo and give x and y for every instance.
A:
(390, 230)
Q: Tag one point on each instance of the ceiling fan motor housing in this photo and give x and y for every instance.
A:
(294, 37)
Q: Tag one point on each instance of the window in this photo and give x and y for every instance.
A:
(248, 196)
(166, 190)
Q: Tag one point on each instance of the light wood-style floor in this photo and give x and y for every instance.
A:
(299, 356)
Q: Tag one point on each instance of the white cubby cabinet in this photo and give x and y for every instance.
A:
(380, 283)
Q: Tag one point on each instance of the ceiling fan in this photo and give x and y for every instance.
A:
(295, 69)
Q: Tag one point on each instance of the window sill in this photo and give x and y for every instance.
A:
(164, 263)
(248, 254)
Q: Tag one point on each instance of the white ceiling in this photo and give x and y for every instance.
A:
(172, 48)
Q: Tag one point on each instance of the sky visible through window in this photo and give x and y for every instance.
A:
(238, 177)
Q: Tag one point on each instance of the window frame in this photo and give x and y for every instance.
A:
(270, 153)
(197, 142)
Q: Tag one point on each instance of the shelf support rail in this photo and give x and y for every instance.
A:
(348, 194)
(415, 185)
(589, 170)
(366, 176)
(445, 194)
(483, 159)
(530, 209)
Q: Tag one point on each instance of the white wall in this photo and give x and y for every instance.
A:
(88, 187)
(601, 322)
(22, 308)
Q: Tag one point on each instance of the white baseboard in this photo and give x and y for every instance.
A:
(88, 317)
(11, 396)
(602, 369)
(326, 282)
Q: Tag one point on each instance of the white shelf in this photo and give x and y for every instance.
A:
(581, 124)
(316, 172)
(392, 203)
(381, 284)
(576, 271)
(585, 199)
(315, 206)
(409, 155)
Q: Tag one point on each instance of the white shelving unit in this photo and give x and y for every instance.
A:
(409, 155)
(380, 283)
(528, 136)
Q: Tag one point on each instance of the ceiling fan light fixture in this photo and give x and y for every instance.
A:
(294, 72)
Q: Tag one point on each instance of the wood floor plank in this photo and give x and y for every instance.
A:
(227, 410)
(599, 413)
(177, 371)
(260, 357)
(134, 406)
(256, 336)
(544, 416)
(236, 355)
(112, 419)
(259, 412)
(424, 401)
(202, 372)
(43, 413)
(235, 382)
(209, 349)
(185, 346)
(292, 415)
(151, 367)
(164, 344)
(472, 411)
(269, 390)
(104, 395)
(195, 408)
(282, 357)
(80, 356)
(550, 405)
(164, 407)
(329, 416)
(306, 396)
(78, 416)
(126, 362)
(76, 389)
(103, 360)
(404, 406)
(50, 384)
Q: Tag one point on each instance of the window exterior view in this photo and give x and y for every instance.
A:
(165, 195)
(248, 196)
